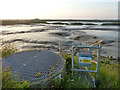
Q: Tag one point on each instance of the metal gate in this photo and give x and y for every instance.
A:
(85, 57)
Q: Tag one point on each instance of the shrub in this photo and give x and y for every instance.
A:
(68, 59)
(8, 49)
(69, 81)
(106, 62)
(10, 81)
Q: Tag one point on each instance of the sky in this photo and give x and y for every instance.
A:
(59, 9)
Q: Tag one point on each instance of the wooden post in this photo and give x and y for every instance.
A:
(98, 64)
(98, 56)
(97, 43)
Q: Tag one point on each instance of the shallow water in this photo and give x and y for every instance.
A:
(105, 35)
(49, 35)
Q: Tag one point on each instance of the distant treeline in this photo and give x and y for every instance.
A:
(13, 22)
(32, 21)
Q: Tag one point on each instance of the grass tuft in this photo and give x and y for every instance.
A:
(8, 49)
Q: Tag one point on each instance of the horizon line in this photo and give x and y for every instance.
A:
(64, 19)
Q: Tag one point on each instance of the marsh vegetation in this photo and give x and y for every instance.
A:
(108, 76)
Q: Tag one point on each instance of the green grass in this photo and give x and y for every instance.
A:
(108, 74)
(93, 66)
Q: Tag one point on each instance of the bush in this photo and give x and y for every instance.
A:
(68, 59)
(69, 81)
(8, 49)
(10, 81)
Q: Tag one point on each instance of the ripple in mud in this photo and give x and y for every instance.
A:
(85, 37)
(54, 27)
(31, 31)
(41, 46)
(60, 33)
(28, 41)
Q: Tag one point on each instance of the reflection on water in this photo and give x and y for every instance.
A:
(106, 35)
(75, 27)
(47, 35)
(19, 28)
(112, 27)
(109, 35)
